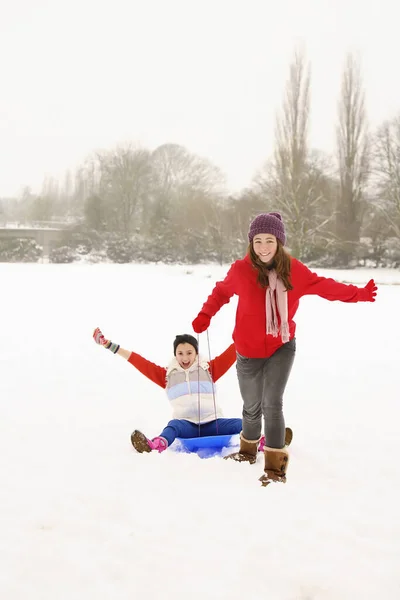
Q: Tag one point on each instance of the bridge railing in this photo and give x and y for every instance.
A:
(36, 224)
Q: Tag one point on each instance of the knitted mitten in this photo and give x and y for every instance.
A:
(101, 340)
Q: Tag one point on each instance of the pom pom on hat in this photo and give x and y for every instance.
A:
(268, 223)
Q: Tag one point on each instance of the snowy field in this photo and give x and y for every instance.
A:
(83, 516)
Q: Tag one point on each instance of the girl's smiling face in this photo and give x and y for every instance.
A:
(265, 246)
(185, 355)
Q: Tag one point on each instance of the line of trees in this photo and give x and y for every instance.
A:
(130, 203)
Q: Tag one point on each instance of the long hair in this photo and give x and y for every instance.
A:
(281, 264)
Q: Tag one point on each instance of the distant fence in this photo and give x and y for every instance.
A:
(36, 224)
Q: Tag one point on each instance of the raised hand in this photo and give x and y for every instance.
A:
(99, 337)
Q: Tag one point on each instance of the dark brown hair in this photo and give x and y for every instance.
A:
(281, 262)
(186, 338)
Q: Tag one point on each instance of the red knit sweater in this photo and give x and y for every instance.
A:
(218, 366)
(249, 333)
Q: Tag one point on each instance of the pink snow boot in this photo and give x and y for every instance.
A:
(142, 444)
(158, 443)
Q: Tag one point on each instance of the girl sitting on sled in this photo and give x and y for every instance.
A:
(189, 381)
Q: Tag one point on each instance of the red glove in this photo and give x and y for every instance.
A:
(201, 322)
(368, 293)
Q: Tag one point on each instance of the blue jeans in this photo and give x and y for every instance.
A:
(185, 429)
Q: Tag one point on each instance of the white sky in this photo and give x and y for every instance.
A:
(208, 74)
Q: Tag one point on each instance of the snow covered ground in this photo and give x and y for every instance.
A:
(84, 516)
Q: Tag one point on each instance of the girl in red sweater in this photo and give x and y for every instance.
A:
(189, 381)
(269, 284)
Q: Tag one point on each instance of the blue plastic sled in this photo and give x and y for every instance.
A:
(208, 446)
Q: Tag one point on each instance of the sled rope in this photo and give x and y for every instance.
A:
(212, 382)
(198, 382)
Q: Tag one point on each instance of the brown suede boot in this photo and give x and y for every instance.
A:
(247, 451)
(288, 436)
(275, 466)
(140, 442)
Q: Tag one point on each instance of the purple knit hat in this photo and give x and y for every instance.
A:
(268, 223)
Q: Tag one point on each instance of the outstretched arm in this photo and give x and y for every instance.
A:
(154, 372)
(220, 364)
(149, 369)
(330, 289)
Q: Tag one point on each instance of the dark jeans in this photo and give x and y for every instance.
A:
(262, 382)
(187, 429)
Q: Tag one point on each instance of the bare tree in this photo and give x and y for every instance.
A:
(184, 186)
(294, 181)
(353, 157)
(50, 188)
(86, 184)
(124, 184)
(41, 210)
(170, 166)
(386, 168)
